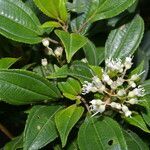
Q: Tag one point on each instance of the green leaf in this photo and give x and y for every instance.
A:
(146, 112)
(101, 133)
(18, 22)
(108, 8)
(81, 71)
(146, 86)
(51, 24)
(123, 41)
(91, 53)
(53, 8)
(44, 70)
(66, 119)
(59, 73)
(14, 144)
(82, 7)
(40, 128)
(72, 145)
(139, 69)
(137, 120)
(97, 70)
(91, 11)
(24, 87)
(5, 63)
(71, 86)
(134, 142)
(72, 42)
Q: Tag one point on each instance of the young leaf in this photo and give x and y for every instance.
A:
(23, 87)
(18, 22)
(72, 42)
(66, 119)
(5, 63)
(40, 128)
(71, 87)
(134, 142)
(14, 144)
(51, 24)
(124, 41)
(101, 133)
(53, 8)
(137, 120)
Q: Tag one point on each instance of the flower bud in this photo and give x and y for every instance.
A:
(44, 62)
(134, 77)
(115, 105)
(106, 78)
(45, 42)
(132, 84)
(131, 94)
(119, 81)
(132, 101)
(58, 51)
(102, 108)
(128, 62)
(126, 111)
(121, 92)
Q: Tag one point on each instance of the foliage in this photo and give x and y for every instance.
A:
(74, 88)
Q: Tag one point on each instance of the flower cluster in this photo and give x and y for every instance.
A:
(119, 91)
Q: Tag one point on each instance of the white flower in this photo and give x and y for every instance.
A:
(96, 102)
(128, 62)
(88, 87)
(115, 65)
(114, 85)
(139, 91)
(98, 84)
(107, 79)
(115, 105)
(126, 111)
(44, 62)
(58, 51)
(132, 101)
(132, 84)
(45, 42)
(119, 81)
(121, 92)
(97, 106)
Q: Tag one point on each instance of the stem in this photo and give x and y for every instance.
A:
(5, 131)
(110, 94)
(63, 25)
(86, 22)
(53, 41)
(85, 103)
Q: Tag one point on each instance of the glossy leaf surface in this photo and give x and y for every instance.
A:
(18, 22)
(72, 42)
(40, 127)
(66, 119)
(123, 41)
(24, 87)
(101, 133)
